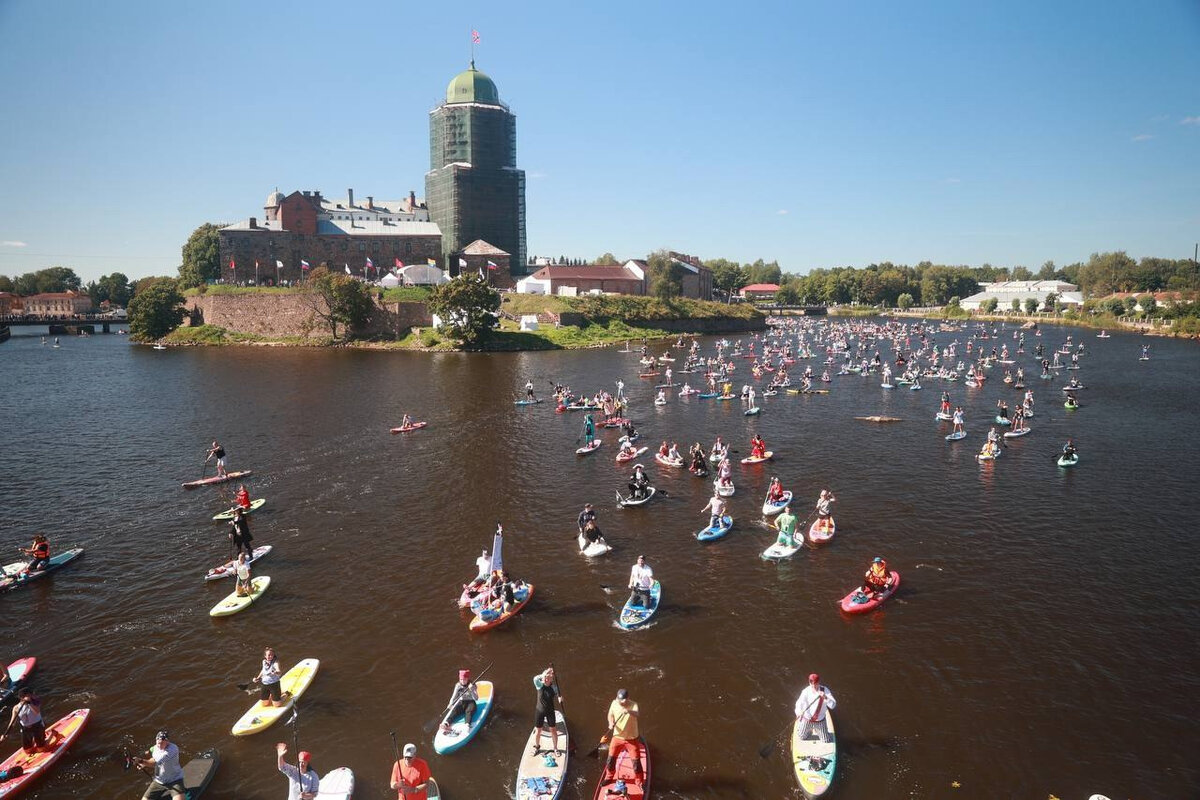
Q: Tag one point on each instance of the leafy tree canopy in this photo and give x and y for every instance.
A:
(338, 299)
(156, 309)
(466, 306)
(201, 257)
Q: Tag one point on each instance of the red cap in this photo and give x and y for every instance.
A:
(305, 755)
(464, 674)
(813, 677)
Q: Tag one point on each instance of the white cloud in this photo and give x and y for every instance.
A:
(1141, 137)
(782, 212)
(535, 175)
(952, 180)
(9, 243)
(1190, 121)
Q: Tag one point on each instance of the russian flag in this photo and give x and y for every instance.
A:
(492, 265)
(304, 264)
(370, 263)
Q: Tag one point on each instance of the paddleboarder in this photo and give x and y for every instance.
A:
(462, 700)
(587, 515)
(638, 483)
(811, 706)
(39, 554)
(163, 758)
(410, 775)
(589, 430)
(218, 452)
(758, 448)
(958, 420)
(623, 715)
(716, 508)
(239, 533)
(1068, 450)
(303, 782)
(641, 579)
(824, 514)
(877, 579)
(242, 497)
(28, 711)
(268, 678)
(244, 588)
(547, 693)
(785, 523)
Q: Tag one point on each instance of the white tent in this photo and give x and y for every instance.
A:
(389, 281)
(423, 275)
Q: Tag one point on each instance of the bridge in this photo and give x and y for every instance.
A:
(802, 310)
(65, 323)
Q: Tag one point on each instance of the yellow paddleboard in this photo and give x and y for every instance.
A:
(233, 604)
(293, 684)
(814, 760)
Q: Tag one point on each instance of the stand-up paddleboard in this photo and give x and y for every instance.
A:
(18, 671)
(944, 417)
(59, 736)
(767, 456)
(488, 618)
(14, 575)
(714, 532)
(707, 395)
(624, 501)
(415, 426)
(590, 447)
(954, 437)
(634, 615)
(631, 771)
(724, 489)
(625, 457)
(293, 684)
(1016, 434)
(668, 462)
(814, 759)
(337, 784)
(215, 479)
(1003, 420)
(526, 402)
(592, 549)
(459, 733)
(778, 552)
(858, 603)
(199, 771)
(540, 776)
(229, 568)
(1064, 461)
(255, 505)
(819, 532)
(751, 412)
(432, 790)
(771, 508)
(233, 604)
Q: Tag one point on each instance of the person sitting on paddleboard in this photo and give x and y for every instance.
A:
(39, 554)
(244, 587)
(775, 491)
(242, 497)
(673, 453)
(785, 523)
(811, 706)
(628, 449)
(547, 693)
(591, 532)
(268, 678)
(824, 514)
(661, 399)
(163, 758)
(1069, 449)
(638, 482)
(877, 578)
(641, 579)
(218, 452)
(28, 711)
(628, 429)
(588, 514)
(715, 507)
(463, 699)
(239, 533)
(758, 448)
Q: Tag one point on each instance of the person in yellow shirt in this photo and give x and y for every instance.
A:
(623, 719)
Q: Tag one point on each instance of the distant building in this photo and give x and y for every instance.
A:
(473, 186)
(759, 291)
(697, 278)
(481, 258)
(11, 303)
(306, 227)
(57, 304)
(1006, 291)
(627, 278)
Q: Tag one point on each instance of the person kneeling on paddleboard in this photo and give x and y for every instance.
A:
(268, 678)
(39, 554)
(638, 482)
(1069, 449)
(877, 578)
(775, 491)
(163, 758)
(785, 523)
(242, 497)
(462, 700)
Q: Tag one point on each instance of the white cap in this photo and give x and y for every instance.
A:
(410, 749)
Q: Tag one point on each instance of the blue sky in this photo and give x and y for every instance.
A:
(816, 134)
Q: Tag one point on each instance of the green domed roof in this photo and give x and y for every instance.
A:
(472, 86)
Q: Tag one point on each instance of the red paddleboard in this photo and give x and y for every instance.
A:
(229, 476)
(17, 672)
(851, 607)
(406, 428)
(819, 533)
(59, 737)
(637, 787)
(480, 624)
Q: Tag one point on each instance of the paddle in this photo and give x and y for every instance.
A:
(607, 737)
(429, 726)
(558, 683)
(395, 751)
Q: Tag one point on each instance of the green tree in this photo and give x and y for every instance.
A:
(7, 284)
(606, 258)
(990, 304)
(466, 306)
(728, 276)
(156, 309)
(1031, 305)
(114, 288)
(788, 295)
(1046, 273)
(1021, 274)
(1148, 303)
(51, 279)
(1051, 302)
(1016, 304)
(201, 257)
(904, 301)
(666, 275)
(338, 299)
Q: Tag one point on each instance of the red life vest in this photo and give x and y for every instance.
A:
(41, 550)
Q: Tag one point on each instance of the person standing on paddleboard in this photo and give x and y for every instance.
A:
(303, 782)
(716, 505)
(623, 727)
(410, 775)
(28, 711)
(163, 758)
(641, 579)
(824, 513)
(239, 533)
(218, 452)
(811, 706)
(589, 430)
(547, 693)
(958, 420)
(268, 678)
(244, 587)
(758, 448)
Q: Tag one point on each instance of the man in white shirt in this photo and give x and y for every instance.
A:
(641, 578)
(484, 565)
(163, 757)
(303, 783)
(812, 706)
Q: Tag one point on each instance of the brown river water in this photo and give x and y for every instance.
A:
(1044, 640)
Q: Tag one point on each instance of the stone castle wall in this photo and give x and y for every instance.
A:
(282, 315)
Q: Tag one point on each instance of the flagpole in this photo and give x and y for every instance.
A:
(472, 46)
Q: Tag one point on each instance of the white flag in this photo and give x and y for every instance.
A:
(278, 265)
(462, 262)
